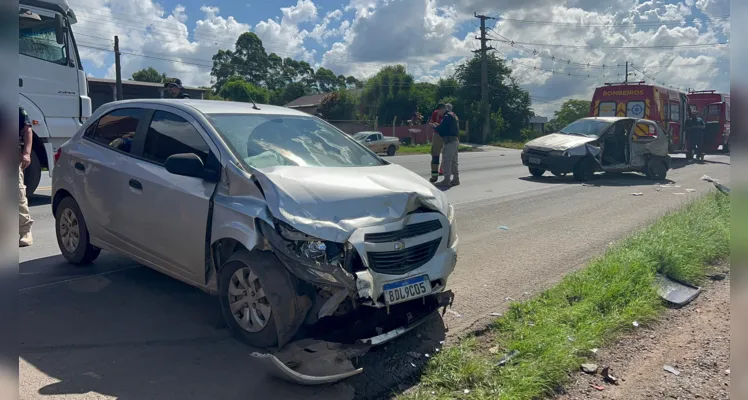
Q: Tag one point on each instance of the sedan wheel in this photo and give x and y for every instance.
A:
(72, 233)
(247, 301)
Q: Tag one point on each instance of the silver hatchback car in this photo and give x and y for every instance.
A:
(284, 217)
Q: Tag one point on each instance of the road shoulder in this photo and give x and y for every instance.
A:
(694, 340)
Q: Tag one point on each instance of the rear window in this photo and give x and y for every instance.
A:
(635, 109)
(116, 129)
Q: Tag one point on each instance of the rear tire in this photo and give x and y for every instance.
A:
(584, 170)
(262, 334)
(536, 172)
(72, 234)
(656, 170)
(391, 151)
(32, 175)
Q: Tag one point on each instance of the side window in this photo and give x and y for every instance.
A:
(116, 129)
(36, 38)
(607, 109)
(643, 130)
(675, 112)
(378, 136)
(371, 138)
(171, 134)
(635, 109)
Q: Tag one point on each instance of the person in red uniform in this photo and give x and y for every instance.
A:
(437, 144)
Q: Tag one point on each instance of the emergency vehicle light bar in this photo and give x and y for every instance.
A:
(702, 91)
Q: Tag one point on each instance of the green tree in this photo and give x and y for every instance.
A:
(326, 80)
(248, 61)
(505, 95)
(149, 74)
(425, 95)
(340, 106)
(237, 89)
(570, 111)
(389, 94)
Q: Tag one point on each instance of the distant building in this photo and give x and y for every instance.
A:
(310, 103)
(538, 123)
(103, 91)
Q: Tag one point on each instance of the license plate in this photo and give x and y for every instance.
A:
(534, 160)
(413, 288)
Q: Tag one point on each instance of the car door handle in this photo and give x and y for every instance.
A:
(135, 184)
(80, 167)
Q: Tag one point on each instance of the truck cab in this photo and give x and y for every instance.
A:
(52, 85)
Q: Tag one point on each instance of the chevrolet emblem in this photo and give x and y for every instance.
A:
(399, 246)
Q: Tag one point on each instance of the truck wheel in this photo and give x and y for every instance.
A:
(656, 170)
(32, 175)
(72, 234)
(391, 151)
(244, 303)
(584, 170)
(536, 172)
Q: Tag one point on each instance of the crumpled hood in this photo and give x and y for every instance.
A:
(331, 203)
(558, 141)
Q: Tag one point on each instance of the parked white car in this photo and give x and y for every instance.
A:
(283, 216)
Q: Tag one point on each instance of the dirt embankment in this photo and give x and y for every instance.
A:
(694, 340)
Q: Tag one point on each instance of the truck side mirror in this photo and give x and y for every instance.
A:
(59, 29)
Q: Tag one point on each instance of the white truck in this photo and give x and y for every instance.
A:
(52, 85)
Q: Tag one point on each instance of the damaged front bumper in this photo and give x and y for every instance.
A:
(318, 362)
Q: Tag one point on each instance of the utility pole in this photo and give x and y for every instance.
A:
(626, 79)
(485, 108)
(118, 69)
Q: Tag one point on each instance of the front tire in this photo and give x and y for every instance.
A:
(536, 172)
(656, 170)
(72, 234)
(584, 170)
(32, 175)
(391, 151)
(244, 304)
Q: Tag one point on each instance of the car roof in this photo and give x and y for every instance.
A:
(213, 106)
(610, 119)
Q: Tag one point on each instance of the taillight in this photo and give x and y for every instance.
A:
(57, 154)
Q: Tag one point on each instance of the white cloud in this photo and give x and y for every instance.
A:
(432, 37)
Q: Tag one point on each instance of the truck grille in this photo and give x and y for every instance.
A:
(409, 231)
(403, 261)
(537, 152)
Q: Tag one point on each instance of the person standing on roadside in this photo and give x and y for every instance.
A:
(25, 138)
(437, 144)
(176, 89)
(449, 130)
(695, 133)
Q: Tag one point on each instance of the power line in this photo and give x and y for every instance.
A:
(627, 25)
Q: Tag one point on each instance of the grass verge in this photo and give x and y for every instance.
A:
(509, 144)
(426, 149)
(554, 332)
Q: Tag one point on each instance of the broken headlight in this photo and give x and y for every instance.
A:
(311, 247)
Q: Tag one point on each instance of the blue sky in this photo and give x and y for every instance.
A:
(431, 37)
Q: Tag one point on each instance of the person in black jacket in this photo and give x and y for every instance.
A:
(449, 130)
(176, 89)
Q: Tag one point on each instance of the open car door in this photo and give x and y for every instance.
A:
(647, 138)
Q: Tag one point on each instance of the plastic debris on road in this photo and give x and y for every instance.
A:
(508, 357)
(671, 370)
(504, 228)
(608, 377)
(674, 292)
(636, 324)
(637, 194)
(600, 388)
(690, 190)
(496, 314)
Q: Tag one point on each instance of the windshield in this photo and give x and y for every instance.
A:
(360, 136)
(586, 127)
(263, 141)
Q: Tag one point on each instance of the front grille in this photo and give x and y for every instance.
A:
(537, 152)
(409, 231)
(403, 261)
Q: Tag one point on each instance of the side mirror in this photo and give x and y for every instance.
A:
(187, 164)
(59, 29)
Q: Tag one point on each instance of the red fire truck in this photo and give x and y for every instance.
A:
(640, 100)
(714, 108)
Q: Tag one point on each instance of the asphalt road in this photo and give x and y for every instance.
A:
(118, 330)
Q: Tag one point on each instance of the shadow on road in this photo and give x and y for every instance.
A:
(39, 200)
(134, 333)
(616, 180)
